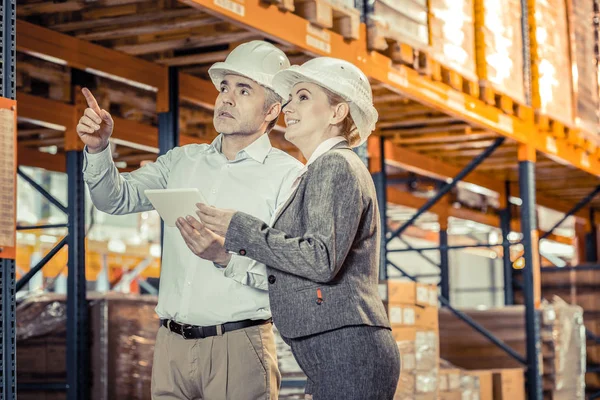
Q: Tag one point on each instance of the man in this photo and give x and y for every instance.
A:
(216, 340)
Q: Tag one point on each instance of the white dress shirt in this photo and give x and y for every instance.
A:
(192, 290)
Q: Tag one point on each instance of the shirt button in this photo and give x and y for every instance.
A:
(189, 283)
(272, 279)
(242, 252)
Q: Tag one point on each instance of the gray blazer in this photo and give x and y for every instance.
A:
(322, 252)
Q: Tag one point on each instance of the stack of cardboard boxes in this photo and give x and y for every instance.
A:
(413, 312)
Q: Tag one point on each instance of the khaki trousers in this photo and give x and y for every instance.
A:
(238, 365)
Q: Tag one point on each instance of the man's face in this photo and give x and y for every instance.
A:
(239, 108)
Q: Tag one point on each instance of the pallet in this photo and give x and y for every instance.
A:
(398, 47)
(283, 5)
(328, 14)
(440, 73)
(490, 95)
(559, 130)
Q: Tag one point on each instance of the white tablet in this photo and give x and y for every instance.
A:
(175, 203)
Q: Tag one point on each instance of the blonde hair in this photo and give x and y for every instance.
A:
(347, 126)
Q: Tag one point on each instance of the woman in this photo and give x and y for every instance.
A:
(322, 252)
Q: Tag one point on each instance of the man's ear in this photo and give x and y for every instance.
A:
(273, 112)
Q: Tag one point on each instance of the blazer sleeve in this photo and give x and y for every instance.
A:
(331, 214)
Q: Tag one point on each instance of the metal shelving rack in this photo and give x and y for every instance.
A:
(172, 86)
(7, 255)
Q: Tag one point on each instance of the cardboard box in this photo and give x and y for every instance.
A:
(400, 292)
(427, 351)
(426, 396)
(406, 386)
(509, 384)
(404, 333)
(443, 382)
(405, 339)
(427, 295)
(456, 395)
(486, 388)
(426, 382)
(405, 315)
(427, 318)
(449, 380)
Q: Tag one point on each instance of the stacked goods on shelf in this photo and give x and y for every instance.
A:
(568, 346)
(400, 26)
(499, 50)
(493, 384)
(339, 15)
(580, 287)
(122, 332)
(563, 346)
(452, 30)
(585, 76)
(455, 385)
(412, 309)
(552, 88)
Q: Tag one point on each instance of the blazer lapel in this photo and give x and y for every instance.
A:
(289, 200)
(341, 145)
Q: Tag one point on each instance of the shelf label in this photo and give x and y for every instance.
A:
(455, 100)
(585, 159)
(318, 44)
(236, 7)
(505, 122)
(398, 77)
(551, 145)
(318, 38)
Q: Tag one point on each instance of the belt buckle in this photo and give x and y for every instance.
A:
(187, 328)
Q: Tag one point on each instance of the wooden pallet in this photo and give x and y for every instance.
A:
(330, 15)
(284, 5)
(559, 130)
(441, 73)
(490, 95)
(381, 38)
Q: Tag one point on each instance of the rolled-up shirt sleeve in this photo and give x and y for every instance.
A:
(116, 193)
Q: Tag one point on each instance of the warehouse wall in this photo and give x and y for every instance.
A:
(471, 276)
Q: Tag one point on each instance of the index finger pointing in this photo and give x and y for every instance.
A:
(91, 101)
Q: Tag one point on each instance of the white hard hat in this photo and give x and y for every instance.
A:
(340, 77)
(256, 60)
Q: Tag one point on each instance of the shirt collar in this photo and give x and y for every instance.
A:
(324, 147)
(258, 150)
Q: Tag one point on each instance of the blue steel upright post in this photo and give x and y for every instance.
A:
(7, 264)
(531, 285)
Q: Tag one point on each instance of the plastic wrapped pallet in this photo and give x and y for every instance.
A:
(585, 73)
(552, 88)
(404, 21)
(122, 332)
(499, 46)
(420, 359)
(570, 348)
(562, 343)
(452, 32)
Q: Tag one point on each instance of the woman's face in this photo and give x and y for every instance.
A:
(308, 113)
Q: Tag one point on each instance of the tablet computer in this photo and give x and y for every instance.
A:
(175, 203)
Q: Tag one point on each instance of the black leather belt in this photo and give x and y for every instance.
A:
(201, 332)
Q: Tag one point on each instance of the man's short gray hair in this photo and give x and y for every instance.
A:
(271, 98)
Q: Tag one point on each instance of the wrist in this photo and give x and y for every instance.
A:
(96, 150)
(223, 260)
